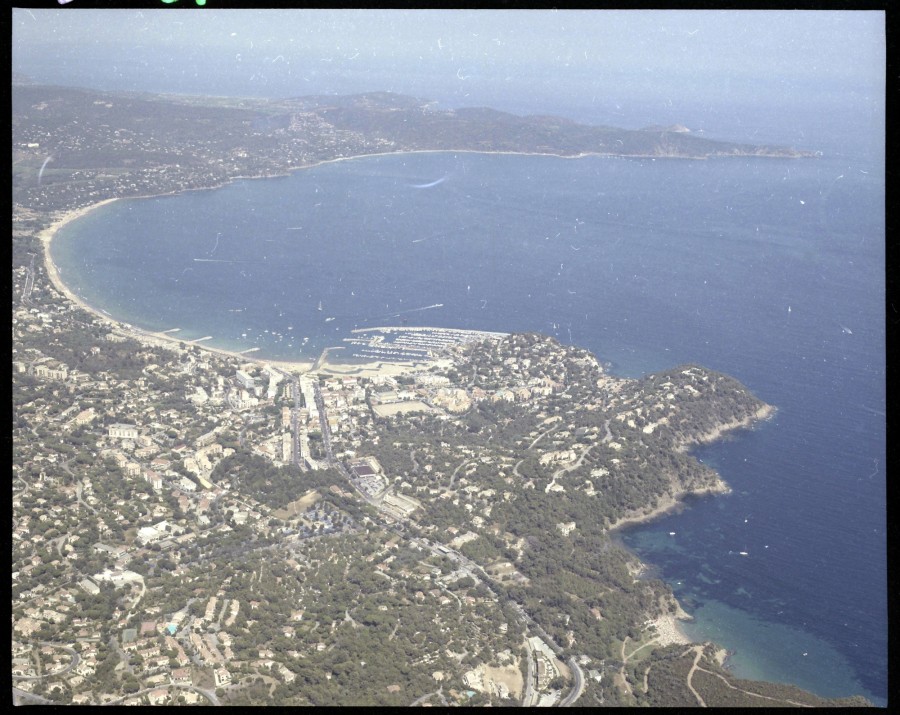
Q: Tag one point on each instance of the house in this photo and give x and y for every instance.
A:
(85, 416)
(156, 697)
(181, 676)
(222, 677)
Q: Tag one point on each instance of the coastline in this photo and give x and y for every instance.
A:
(765, 412)
(673, 502)
(172, 342)
(669, 630)
(668, 625)
(667, 504)
(162, 339)
(155, 339)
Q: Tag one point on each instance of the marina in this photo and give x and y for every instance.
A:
(401, 344)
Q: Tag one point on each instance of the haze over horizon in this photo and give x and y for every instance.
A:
(627, 67)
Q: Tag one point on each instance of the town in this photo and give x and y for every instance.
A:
(145, 461)
(428, 521)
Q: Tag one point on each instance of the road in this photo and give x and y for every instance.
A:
(29, 281)
(75, 660)
(469, 567)
(323, 423)
(695, 667)
(698, 653)
(139, 598)
(23, 697)
(439, 692)
(577, 688)
(208, 694)
(455, 471)
(295, 412)
(79, 498)
(530, 697)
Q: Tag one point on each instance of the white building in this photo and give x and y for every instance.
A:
(123, 431)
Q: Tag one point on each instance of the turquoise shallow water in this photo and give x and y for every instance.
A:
(769, 270)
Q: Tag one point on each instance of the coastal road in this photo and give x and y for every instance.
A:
(577, 688)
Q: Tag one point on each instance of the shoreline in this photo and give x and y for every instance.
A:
(169, 340)
(674, 502)
(669, 630)
(668, 626)
(765, 412)
(120, 327)
(667, 504)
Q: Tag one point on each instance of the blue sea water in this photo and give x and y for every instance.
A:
(769, 270)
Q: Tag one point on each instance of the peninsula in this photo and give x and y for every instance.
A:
(192, 526)
(79, 146)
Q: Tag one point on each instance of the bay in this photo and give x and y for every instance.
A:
(768, 270)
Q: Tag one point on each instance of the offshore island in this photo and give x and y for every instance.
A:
(430, 524)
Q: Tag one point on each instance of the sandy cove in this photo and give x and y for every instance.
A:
(668, 629)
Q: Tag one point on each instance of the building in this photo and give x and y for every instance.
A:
(89, 586)
(152, 534)
(222, 676)
(245, 380)
(186, 485)
(123, 431)
(181, 676)
(399, 505)
(85, 417)
(51, 369)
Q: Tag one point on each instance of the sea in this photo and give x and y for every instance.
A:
(770, 270)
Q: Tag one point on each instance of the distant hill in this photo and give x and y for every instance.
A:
(117, 144)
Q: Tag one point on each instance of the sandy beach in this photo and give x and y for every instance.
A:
(46, 237)
(170, 340)
(161, 339)
(668, 629)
